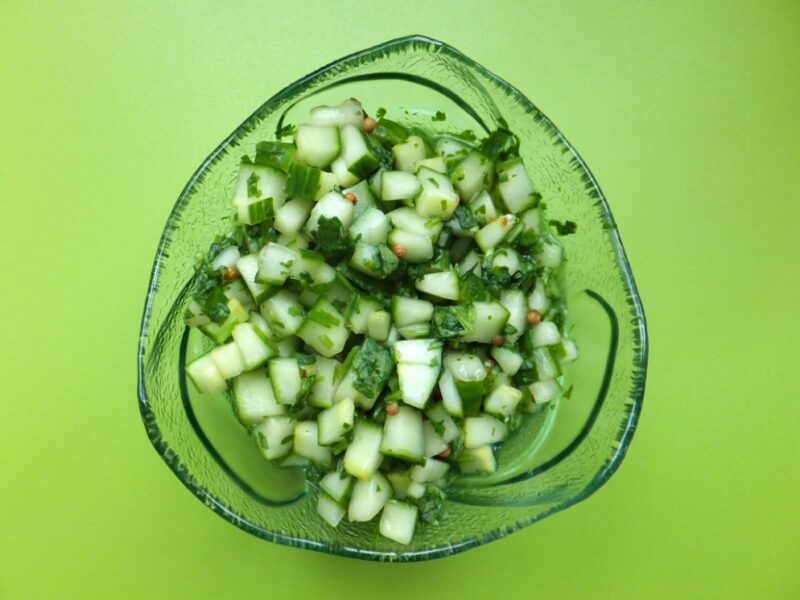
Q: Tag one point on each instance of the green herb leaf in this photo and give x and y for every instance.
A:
(372, 367)
(332, 239)
(564, 228)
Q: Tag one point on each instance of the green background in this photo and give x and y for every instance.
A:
(686, 112)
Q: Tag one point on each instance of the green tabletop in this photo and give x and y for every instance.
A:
(687, 113)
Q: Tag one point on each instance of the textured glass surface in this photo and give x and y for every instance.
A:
(564, 453)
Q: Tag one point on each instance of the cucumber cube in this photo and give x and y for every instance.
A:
(398, 521)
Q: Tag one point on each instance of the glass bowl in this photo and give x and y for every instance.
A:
(564, 452)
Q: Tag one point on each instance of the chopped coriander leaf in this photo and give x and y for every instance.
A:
(500, 145)
(332, 239)
(439, 116)
(372, 367)
(286, 131)
(466, 220)
(565, 227)
(453, 321)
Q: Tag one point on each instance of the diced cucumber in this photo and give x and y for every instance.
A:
(369, 497)
(360, 309)
(321, 394)
(537, 299)
(317, 145)
(495, 232)
(415, 490)
(478, 460)
(254, 399)
(288, 347)
(509, 360)
(407, 154)
(290, 218)
(337, 485)
(410, 311)
(308, 183)
(416, 382)
(259, 193)
(567, 351)
(410, 247)
(514, 185)
(400, 481)
(551, 255)
(546, 365)
(375, 261)
(379, 323)
(228, 359)
(471, 263)
(546, 334)
(348, 112)
(439, 415)
(220, 332)
(451, 149)
(516, 305)
(293, 461)
(415, 331)
(359, 159)
(403, 435)
(372, 227)
(432, 442)
(398, 521)
(205, 375)
(364, 197)
(293, 242)
(437, 197)
(275, 263)
(483, 208)
(363, 455)
(306, 443)
(407, 219)
(335, 422)
(284, 313)
(506, 258)
(474, 174)
(502, 401)
(374, 181)
(544, 391)
(236, 290)
(331, 512)
(260, 323)
(248, 266)
(398, 185)
(331, 206)
(419, 352)
(490, 320)
(225, 259)
(469, 375)
(442, 285)
(431, 470)
(434, 164)
(287, 381)
(483, 429)
(531, 223)
(324, 329)
(309, 268)
(344, 178)
(346, 389)
(274, 436)
(254, 349)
